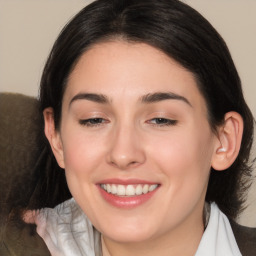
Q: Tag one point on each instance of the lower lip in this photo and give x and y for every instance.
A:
(126, 202)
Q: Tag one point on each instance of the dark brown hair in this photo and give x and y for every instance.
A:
(184, 35)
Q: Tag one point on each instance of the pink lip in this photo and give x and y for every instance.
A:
(127, 202)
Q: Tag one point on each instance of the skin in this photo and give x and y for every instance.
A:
(129, 141)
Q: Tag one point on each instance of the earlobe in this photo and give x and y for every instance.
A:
(53, 136)
(229, 141)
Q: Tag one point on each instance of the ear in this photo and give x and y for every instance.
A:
(53, 136)
(229, 141)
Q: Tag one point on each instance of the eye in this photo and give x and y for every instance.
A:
(162, 121)
(92, 122)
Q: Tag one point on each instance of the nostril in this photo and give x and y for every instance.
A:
(123, 165)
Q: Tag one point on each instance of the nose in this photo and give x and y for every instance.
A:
(126, 148)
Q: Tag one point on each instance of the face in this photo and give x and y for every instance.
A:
(135, 142)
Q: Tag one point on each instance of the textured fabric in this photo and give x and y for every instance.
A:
(21, 143)
(218, 238)
(28, 172)
(21, 140)
(21, 240)
(67, 231)
(245, 237)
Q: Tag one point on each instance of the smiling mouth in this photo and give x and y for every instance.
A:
(128, 190)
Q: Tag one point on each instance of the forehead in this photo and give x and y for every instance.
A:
(130, 70)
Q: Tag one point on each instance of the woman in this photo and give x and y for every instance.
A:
(144, 110)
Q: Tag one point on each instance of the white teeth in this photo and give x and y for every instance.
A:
(138, 190)
(114, 189)
(145, 189)
(108, 188)
(128, 190)
(120, 190)
(152, 187)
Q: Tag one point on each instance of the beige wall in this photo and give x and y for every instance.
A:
(28, 29)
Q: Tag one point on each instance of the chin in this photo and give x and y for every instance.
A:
(128, 232)
(125, 236)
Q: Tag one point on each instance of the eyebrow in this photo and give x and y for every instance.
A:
(94, 97)
(148, 98)
(161, 96)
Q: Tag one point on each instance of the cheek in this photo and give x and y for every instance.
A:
(82, 154)
(185, 157)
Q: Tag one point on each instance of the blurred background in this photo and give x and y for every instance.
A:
(28, 29)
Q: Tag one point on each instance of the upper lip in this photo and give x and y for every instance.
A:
(126, 181)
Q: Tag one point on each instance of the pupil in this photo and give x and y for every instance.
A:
(96, 120)
(160, 120)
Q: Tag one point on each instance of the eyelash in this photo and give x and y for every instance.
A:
(94, 122)
(159, 121)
